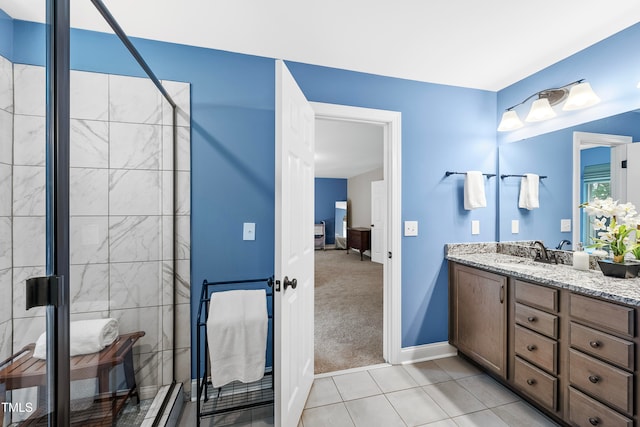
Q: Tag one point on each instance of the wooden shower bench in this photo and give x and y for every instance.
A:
(22, 370)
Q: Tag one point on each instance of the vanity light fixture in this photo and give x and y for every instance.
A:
(577, 94)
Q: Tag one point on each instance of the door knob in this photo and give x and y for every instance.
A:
(293, 283)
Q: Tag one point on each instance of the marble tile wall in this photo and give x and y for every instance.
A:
(6, 171)
(122, 213)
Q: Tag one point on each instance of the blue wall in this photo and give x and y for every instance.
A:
(6, 35)
(328, 192)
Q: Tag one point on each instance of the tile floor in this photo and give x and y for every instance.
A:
(446, 392)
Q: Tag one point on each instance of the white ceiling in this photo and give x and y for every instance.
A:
(486, 44)
(346, 149)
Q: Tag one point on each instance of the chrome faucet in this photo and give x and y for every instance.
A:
(562, 243)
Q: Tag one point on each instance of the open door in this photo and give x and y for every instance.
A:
(294, 249)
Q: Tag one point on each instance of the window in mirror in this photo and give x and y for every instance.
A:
(596, 184)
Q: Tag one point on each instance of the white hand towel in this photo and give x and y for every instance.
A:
(237, 336)
(529, 188)
(474, 190)
(85, 337)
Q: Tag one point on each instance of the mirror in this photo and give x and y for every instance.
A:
(555, 155)
(341, 224)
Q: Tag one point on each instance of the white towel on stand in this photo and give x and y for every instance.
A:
(474, 190)
(529, 188)
(237, 336)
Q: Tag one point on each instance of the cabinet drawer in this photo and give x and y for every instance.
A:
(537, 320)
(537, 296)
(584, 411)
(602, 314)
(537, 349)
(536, 383)
(607, 347)
(601, 380)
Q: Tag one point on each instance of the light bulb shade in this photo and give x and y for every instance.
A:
(581, 96)
(540, 110)
(638, 85)
(510, 121)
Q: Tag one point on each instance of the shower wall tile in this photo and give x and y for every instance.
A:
(89, 191)
(89, 142)
(29, 241)
(6, 287)
(20, 276)
(183, 154)
(6, 338)
(167, 193)
(29, 190)
(134, 100)
(27, 330)
(5, 242)
(134, 146)
(167, 367)
(134, 192)
(147, 371)
(29, 86)
(180, 92)
(89, 95)
(6, 137)
(6, 85)
(183, 369)
(183, 237)
(29, 140)
(89, 239)
(183, 281)
(135, 284)
(89, 288)
(140, 319)
(166, 320)
(134, 238)
(184, 193)
(5, 189)
(183, 324)
(167, 283)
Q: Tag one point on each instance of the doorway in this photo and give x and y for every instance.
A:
(389, 123)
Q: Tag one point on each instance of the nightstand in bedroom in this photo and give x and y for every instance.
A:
(359, 238)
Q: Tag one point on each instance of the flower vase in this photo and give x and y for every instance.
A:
(622, 270)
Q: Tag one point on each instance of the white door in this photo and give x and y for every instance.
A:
(378, 220)
(294, 250)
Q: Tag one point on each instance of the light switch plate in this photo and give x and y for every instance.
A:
(565, 225)
(249, 231)
(411, 228)
(475, 227)
(515, 226)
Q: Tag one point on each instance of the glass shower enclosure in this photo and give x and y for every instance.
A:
(94, 229)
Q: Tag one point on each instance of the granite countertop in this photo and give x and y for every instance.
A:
(514, 260)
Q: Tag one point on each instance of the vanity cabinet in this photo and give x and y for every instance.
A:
(478, 324)
(601, 362)
(535, 342)
(573, 356)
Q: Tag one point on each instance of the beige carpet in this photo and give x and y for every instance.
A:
(348, 311)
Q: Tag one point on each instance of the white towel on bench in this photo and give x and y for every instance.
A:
(237, 336)
(85, 337)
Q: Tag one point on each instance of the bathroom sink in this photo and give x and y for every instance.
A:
(521, 263)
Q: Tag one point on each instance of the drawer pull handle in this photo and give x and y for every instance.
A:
(594, 344)
(594, 378)
(594, 421)
(531, 319)
(531, 381)
(531, 347)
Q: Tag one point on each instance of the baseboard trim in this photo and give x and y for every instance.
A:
(420, 353)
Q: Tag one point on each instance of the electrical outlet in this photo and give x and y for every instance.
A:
(565, 225)
(249, 231)
(515, 226)
(411, 228)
